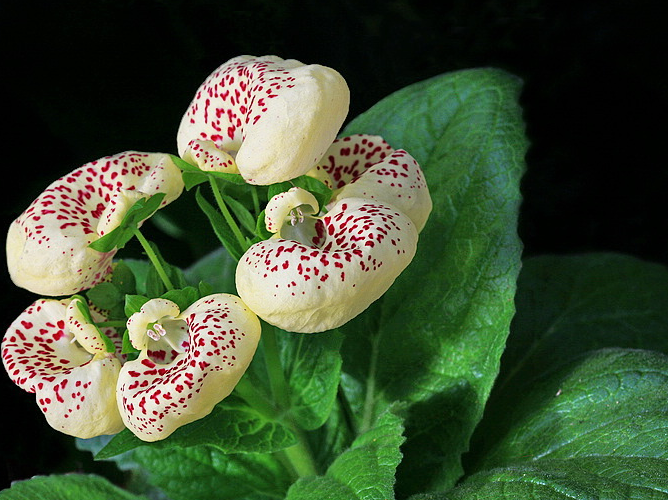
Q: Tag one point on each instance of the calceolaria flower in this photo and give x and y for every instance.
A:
(266, 118)
(365, 166)
(54, 351)
(48, 249)
(189, 361)
(318, 272)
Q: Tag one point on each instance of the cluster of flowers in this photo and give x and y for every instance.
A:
(269, 120)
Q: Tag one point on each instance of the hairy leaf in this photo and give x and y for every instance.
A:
(66, 487)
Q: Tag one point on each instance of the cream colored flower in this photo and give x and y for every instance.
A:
(365, 166)
(53, 351)
(273, 118)
(48, 245)
(189, 362)
(317, 273)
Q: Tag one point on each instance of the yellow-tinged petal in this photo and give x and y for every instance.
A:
(159, 392)
(48, 245)
(209, 158)
(282, 207)
(358, 250)
(154, 311)
(365, 166)
(279, 116)
(75, 390)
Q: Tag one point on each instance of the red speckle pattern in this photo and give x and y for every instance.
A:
(49, 240)
(237, 94)
(160, 391)
(365, 166)
(360, 247)
(40, 356)
(351, 156)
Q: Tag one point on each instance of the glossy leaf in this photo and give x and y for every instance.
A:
(436, 337)
(205, 473)
(597, 428)
(232, 427)
(66, 487)
(364, 471)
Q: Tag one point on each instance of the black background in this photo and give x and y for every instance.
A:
(84, 79)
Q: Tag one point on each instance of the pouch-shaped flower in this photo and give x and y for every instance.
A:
(52, 350)
(48, 244)
(272, 119)
(365, 166)
(317, 273)
(189, 361)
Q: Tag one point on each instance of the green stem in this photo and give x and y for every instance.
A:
(249, 393)
(227, 215)
(256, 200)
(369, 400)
(272, 360)
(299, 455)
(154, 260)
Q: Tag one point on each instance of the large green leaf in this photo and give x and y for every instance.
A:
(614, 402)
(567, 305)
(597, 428)
(232, 427)
(66, 487)
(436, 337)
(313, 370)
(205, 473)
(600, 478)
(365, 471)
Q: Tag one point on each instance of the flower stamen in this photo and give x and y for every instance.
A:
(156, 331)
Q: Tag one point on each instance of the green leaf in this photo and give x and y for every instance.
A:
(134, 303)
(596, 428)
(318, 188)
(604, 478)
(435, 339)
(241, 213)
(313, 370)
(216, 269)
(567, 305)
(364, 471)
(206, 473)
(612, 402)
(220, 226)
(141, 210)
(182, 297)
(232, 427)
(570, 304)
(66, 487)
(108, 297)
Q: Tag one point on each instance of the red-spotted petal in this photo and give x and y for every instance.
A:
(157, 395)
(365, 166)
(47, 245)
(74, 388)
(356, 252)
(279, 116)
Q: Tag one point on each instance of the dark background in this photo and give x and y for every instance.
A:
(84, 79)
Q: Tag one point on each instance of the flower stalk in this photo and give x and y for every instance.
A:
(152, 256)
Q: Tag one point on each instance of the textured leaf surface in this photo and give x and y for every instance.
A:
(436, 337)
(365, 471)
(232, 427)
(66, 487)
(313, 371)
(613, 402)
(598, 428)
(568, 305)
(204, 473)
(600, 478)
